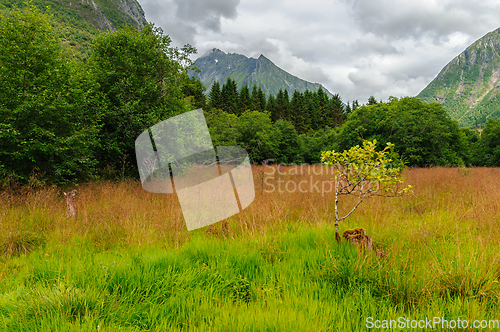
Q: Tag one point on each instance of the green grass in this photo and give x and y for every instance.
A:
(275, 271)
(293, 281)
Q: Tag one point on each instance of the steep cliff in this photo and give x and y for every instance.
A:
(469, 85)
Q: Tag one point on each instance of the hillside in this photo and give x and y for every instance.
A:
(217, 65)
(77, 21)
(469, 86)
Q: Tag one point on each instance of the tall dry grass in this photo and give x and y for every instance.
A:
(446, 202)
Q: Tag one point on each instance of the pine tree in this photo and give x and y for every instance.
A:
(282, 104)
(261, 98)
(286, 105)
(336, 115)
(372, 101)
(258, 99)
(271, 107)
(322, 104)
(244, 100)
(311, 117)
(355, 105)
(229, 96)
(300, 118)
(214, 96)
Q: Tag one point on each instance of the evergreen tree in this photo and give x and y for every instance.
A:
(214, 96)
(286, 105)
(229, 95)
(311, 116)
(258, 99)
(322, 106)
(355, 105)
(372, 101)
(282, 104)
(244, 99)
(300, 118)
(348, 109)
(271, 107)
(261, 97)
(336, 116)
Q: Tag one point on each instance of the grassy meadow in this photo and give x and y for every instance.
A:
(129, 264)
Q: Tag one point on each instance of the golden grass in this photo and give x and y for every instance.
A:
(447, 202)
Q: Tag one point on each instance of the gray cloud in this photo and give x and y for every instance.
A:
(356, 48)
(404, 19)
(206, 13)
(184, 20)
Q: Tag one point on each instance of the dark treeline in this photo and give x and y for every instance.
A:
(63, 119)
(307, 111)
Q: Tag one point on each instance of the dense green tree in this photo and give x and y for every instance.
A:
(423, 133)
(322, 105)
(281, 109)
(311, 115)
(141, 77)
(193, 90)
(258, 136)
(288, 150)
(244, 99)
(284, 104)
(489, 144)
(258, 99)
(214, 96)
(223, 128)
(46, 121)
(229, 95)
(355, 105)
(312, 145)
(472, 152)
(348, 109)
(299, 117)
(336, 114)
(372, 101)
(271, 106)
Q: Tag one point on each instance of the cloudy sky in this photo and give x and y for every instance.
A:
(356, 48)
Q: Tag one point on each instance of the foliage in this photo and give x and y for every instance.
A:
(424, 134)
(141, 79)
(193, 91)
(363, 172)
(258, 136)
(45, 123)
(489, 144)
(288, 150)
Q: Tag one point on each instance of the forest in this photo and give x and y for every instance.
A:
(65, 119)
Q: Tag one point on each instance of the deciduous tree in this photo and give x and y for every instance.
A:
(363, 172)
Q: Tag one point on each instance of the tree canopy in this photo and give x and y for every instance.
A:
(424, 134)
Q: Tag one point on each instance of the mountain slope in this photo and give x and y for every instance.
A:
(469, 86)
(77, 21)
(218, 66)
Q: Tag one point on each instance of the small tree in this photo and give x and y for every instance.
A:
(364, 172)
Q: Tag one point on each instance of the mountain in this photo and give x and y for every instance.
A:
(469, 86)
(217, 65)
(78, 21)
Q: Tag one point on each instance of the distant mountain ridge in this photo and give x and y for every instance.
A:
(217, 65)
(469, 85)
